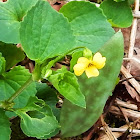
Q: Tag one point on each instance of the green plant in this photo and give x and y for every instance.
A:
(47, 36)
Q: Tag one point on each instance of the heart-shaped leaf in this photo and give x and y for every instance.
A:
(88, 24)
(45, 33)
(37, 119)
(11, 14)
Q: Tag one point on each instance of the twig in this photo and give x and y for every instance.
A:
(123, 130)
(132, 38)
(131, 114)
(136, 14)
(136, 5)
(133, 82)
(126, 79)
(107, 130)
(31, 67)
(133, 35)
(133, 58)
(94, 129)
(124, 114)
(103, 136)
(126, 105)
(119, 132)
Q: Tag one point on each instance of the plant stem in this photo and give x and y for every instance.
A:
(40, 70)
(26, 84)
(51, 63)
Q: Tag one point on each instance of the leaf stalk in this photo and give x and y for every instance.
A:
(26, 84)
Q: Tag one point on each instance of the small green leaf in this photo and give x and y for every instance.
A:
(45, 33)
(37, 119)
(5, 130)
(11, 81)
(131, 2)
(74, 59)
(66, 83)
(88, 24)
(47, 73)
(87, 53)
(12, 54)
(11, 14)
(2, 64)
(120, 14)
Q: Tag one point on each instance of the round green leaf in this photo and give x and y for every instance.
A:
(120, 14)
(88, 24)
(45, 33)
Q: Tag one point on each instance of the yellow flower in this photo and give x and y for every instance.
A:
(89, 66)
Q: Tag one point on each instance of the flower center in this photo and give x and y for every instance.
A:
(90, 65)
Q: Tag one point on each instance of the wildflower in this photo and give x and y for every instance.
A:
(90, 66)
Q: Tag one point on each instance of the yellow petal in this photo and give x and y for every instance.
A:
(83, 60)
(92, 71)
(98, 60)
(79, 69)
